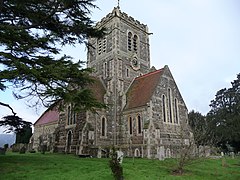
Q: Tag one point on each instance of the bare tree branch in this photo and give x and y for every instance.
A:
(6, 105)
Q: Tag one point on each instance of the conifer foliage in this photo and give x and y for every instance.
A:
(32, 33)
(224, 116)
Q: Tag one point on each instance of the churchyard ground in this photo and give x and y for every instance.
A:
(59, 167)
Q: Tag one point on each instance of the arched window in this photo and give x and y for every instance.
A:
(105, 69)
(176, 110)
(127, 72)
(170, 105)
(104, 44)
(69, 141)
(139, 124)
(69, 118)
(164, 108)
(103, 126)
(137, 152)
(130, 125)
(168, 153)
(99, 46)
(135, 43)
(129, 41)
(74, 118)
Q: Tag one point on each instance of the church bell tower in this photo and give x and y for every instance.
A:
(123, 53)
(117, 58)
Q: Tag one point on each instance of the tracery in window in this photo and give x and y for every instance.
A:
(132, 42)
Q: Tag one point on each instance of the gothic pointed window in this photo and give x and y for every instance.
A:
(139, 124)
(130, 125)
(127, 72)
(176, 110)
(99, 46)
(135, 43)
(168, 153)
(129, 41)
(164, 108)
(104, 45)
(69, 117)
(69, 141)
(170, 105)
(74, 118)
(103, 127)
(105, 69)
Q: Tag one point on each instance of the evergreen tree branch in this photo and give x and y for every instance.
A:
(8, 106)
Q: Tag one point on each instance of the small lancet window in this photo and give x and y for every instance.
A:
(74, 118)
(105, 68)
(176, 110)
(164, 108)
(103, 127)
(130, 125)
(139, 124)
(104, 44)
(135, 38)
(127, 72)
(99, 46)
(129, 41)
(170, 105)
(69, 115)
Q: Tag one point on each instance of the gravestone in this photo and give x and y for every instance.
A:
(222, 154)
(119, 156)
(2, 151)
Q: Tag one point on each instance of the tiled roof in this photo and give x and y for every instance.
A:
(98, 89)
(49, 116)
(142, 88)
(52, 115)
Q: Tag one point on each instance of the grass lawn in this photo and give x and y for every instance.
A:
(36, 166)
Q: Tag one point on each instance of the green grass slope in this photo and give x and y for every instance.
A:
(36, 166)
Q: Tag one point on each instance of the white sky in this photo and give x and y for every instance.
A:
(198, 39)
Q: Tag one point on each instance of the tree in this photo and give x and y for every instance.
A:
(15, 124)
(199, 127)
(31, 35)
(24, 135)
(224, 116)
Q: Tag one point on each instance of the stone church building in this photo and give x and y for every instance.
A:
(146, 114)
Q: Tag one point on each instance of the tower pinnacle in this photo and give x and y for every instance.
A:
(118, 4)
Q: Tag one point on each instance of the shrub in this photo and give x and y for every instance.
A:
(32, 151)
(22, 150)
(43, 148)
(2, 151)
(6, 146)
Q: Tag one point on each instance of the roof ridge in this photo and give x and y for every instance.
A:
(150, 73)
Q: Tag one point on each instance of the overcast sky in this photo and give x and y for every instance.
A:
(198, 39)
